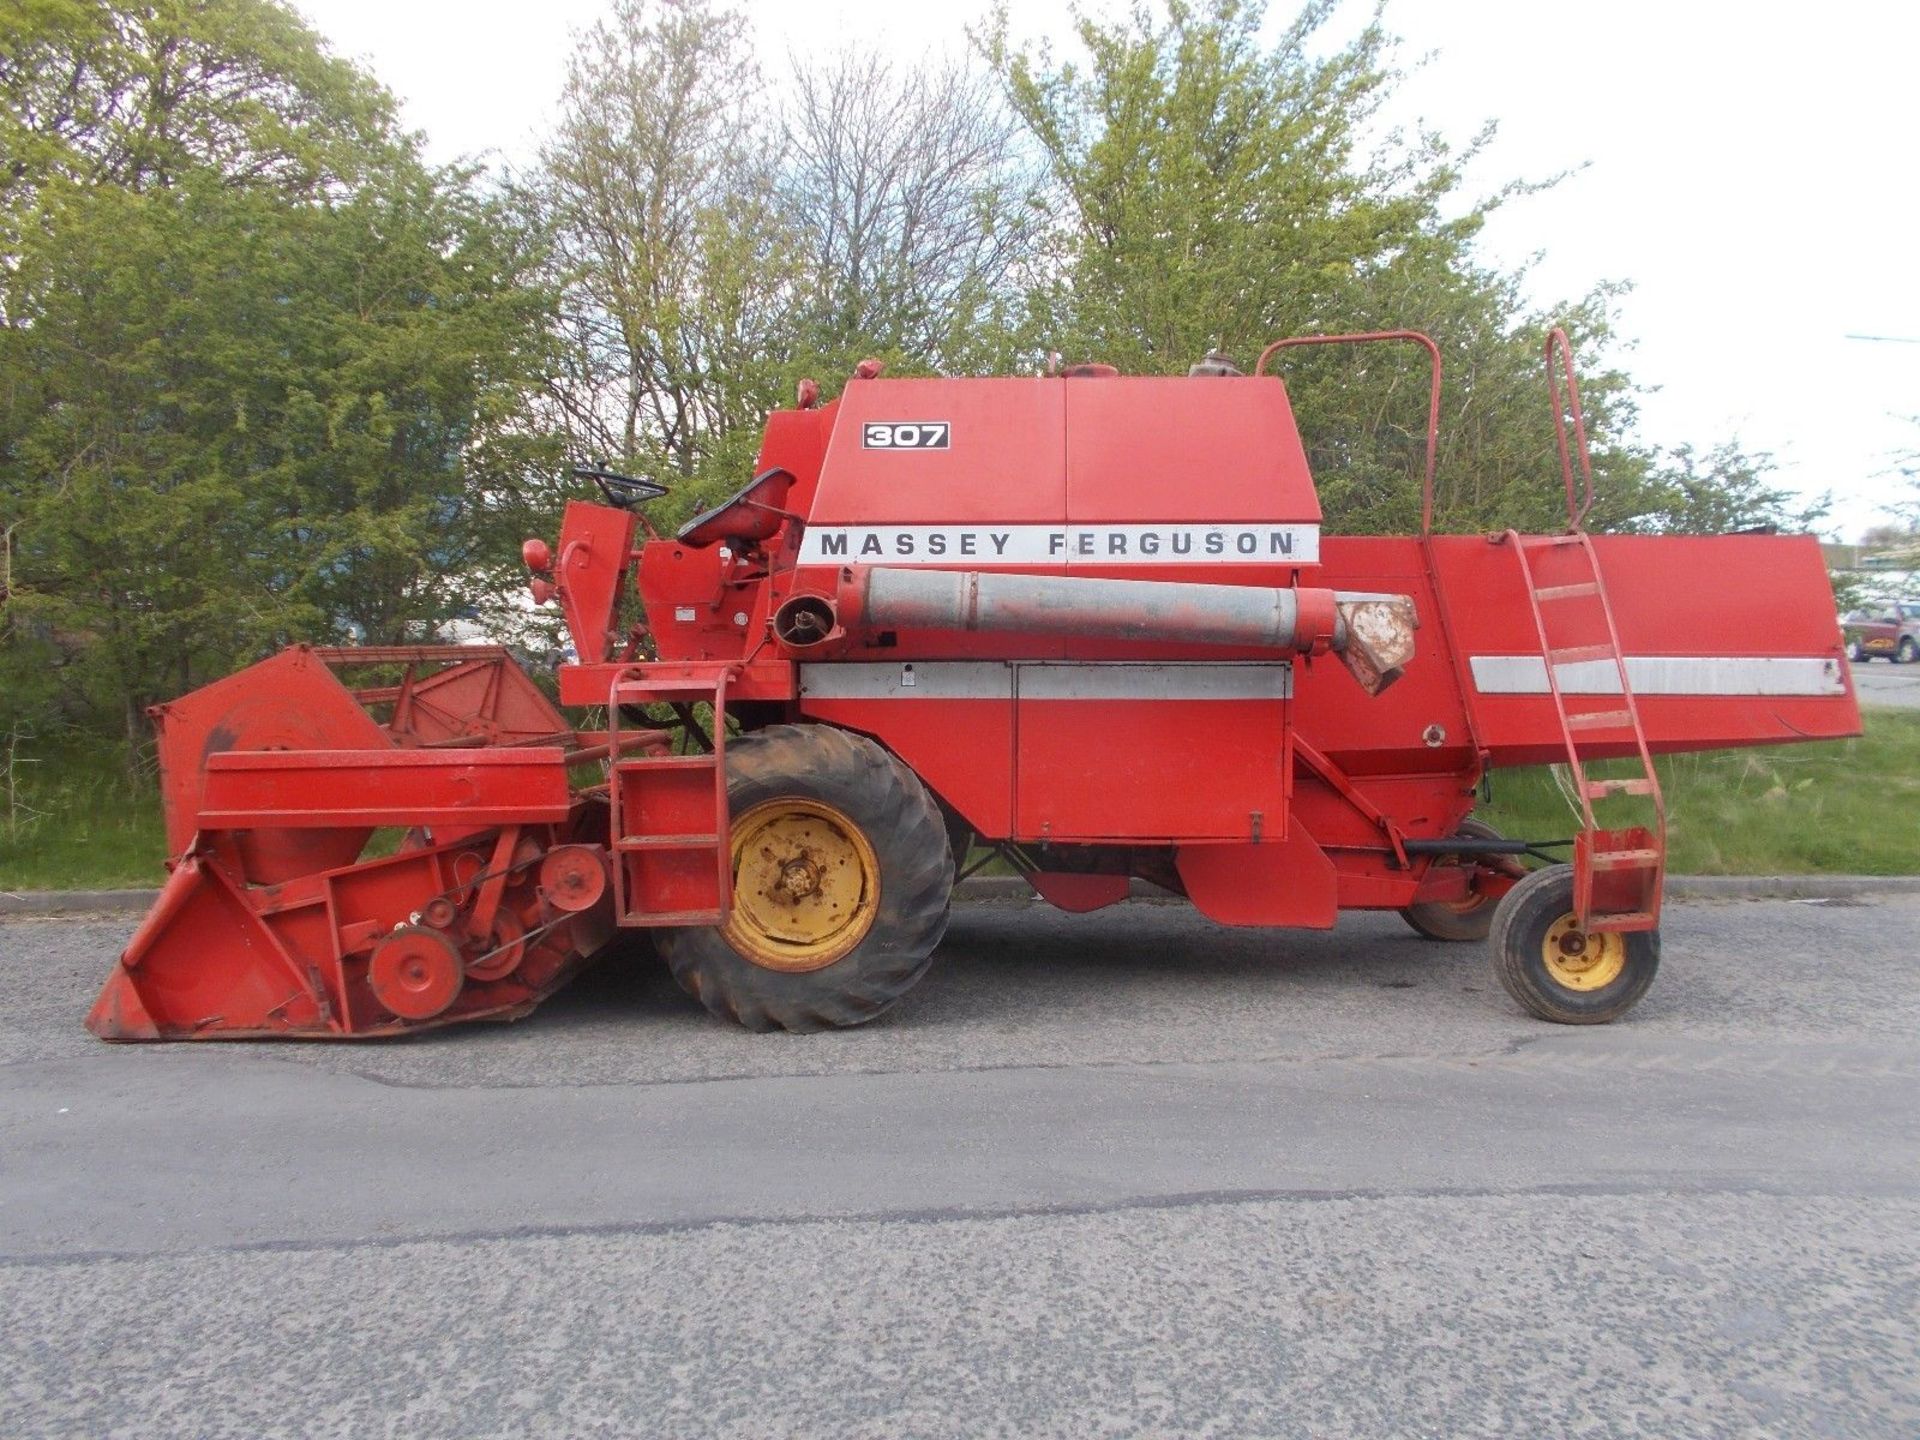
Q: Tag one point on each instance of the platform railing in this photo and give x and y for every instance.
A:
(1412, 337)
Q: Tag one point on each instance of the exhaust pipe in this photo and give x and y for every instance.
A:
(1373, 634)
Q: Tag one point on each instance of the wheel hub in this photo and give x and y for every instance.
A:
(799, 878)
(1579, 960)
(806, 885)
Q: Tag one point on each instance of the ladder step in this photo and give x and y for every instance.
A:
(1601, 789)
(671, 917)
(1574, 654)
(1600, 720)
(666, 842)
(1624, 859)
(1568, 592)
(633, 763)
(1601, 922)
(1543, 542)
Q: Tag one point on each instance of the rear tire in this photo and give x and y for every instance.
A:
(1532, 940)
(866, 847)
(1857, 653)
(1472, 920)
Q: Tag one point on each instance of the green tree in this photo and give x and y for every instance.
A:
(274, 386)
(1727, 489)
(716, 239)
(915, 207)
(1900, 539)
(1214, 190)
(669, 247)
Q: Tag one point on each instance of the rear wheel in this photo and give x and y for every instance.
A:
(1559, 972)
(841, 878)
(1469, 919)
(1856, 652)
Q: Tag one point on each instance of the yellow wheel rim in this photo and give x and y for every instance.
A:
(806, 885)
(1582, 961)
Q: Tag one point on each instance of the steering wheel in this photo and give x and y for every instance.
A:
(623, 492)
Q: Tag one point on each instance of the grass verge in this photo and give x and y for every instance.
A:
(78, 820)
(1849, 807)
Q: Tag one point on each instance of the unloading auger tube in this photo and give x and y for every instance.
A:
(1372, 633)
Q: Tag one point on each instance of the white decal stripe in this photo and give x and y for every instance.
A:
(1663, 675)
(962, 546)
(1176, 681)
(1045, 680)
(908, 680)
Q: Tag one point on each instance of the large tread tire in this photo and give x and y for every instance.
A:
(902, 823)
(1437, 920)
(1520, 927)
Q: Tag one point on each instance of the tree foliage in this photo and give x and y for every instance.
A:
(668, 242)
(916, 210)
(264, 375)
(1899, 538)
(1216, 191)
(713, 247)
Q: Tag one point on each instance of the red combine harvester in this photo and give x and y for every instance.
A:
(1089, 622)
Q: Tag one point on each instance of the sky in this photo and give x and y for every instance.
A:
(1749, 168)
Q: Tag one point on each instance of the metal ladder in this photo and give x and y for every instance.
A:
(672, 843)
(1618, 872)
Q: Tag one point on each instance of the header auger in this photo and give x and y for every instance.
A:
(1089, 622)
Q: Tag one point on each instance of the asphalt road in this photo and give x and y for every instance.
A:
(1122, 1174)
(1880, 682)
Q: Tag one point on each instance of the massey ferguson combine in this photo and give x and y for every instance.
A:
(1086, 622)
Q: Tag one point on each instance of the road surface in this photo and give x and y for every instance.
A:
(1882, 683)
(1111, 1175)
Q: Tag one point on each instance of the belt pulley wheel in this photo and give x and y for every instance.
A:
(504, 950)
(416, 973)
(806, 884)
(573, 877)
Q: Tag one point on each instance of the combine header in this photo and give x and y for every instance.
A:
(1087, 622)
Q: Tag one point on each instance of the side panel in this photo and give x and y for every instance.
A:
(1288, 883)
(950, 721)
(595, 541)
(1221, 455)
(1000, 463)
(1094, 752)
(1730, 640)
(1151, 751)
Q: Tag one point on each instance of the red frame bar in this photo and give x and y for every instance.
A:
(1576, 512)
(342, 789)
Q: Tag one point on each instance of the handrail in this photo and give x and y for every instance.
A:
(1576, 511)
(1433, 398)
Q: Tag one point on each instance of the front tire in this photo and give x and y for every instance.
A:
(1559, 973)
(1909, 651)
(842, 876)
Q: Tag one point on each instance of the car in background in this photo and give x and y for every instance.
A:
(1889, 632)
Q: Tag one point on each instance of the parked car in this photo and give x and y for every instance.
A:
(1891, 632)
